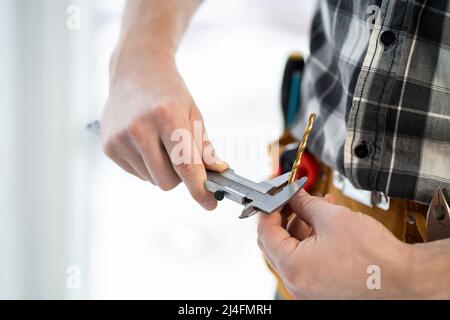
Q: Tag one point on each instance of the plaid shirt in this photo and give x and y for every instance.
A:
(380, 84)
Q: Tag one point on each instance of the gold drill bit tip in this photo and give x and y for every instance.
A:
(302, 147)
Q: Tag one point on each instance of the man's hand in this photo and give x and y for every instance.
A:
(325, 250)
(138, 122)
(149, 102)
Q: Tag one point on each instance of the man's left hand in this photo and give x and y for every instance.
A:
(328, 251)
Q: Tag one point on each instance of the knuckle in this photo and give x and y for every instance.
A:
(308, 204)
(185, 170)
(108, 147)
(163, 110)
(311, 202)
(120, 139)
(136, 128)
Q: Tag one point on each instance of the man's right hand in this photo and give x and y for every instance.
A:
(148, 102)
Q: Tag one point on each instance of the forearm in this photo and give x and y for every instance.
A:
(430, 270)
(151, 30)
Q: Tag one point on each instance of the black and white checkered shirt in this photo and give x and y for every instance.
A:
(379, 79)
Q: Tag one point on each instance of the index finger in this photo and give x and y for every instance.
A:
(187, 162)
(276, 241)
(314, 210)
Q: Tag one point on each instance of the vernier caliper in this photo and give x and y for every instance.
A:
(266, 197)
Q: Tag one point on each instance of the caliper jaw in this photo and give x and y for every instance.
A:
(266, 197)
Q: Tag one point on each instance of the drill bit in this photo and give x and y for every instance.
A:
(302, 148)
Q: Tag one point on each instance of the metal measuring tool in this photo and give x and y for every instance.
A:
(266, 197)
(438, 216)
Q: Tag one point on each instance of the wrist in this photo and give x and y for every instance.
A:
(428, 276)
(416, 282)
(133, 62)
(145, 42)
(399, 280)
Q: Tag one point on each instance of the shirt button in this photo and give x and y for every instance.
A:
(362, 151)
(388, 38)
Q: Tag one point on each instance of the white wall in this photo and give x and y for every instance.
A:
(43, 177)
(9, 262)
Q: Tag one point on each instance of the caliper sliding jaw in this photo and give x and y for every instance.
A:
(267, 196)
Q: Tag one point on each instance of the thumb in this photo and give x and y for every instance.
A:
(211, 160)
(204, 145)
(313, 210)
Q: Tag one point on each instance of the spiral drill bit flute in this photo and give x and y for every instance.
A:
(302, 148)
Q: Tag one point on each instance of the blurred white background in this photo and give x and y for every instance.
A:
(63, 203)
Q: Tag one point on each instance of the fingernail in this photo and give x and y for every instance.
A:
(219, 166)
